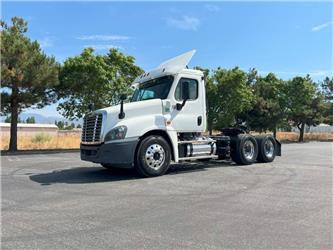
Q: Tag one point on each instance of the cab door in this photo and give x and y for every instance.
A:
(191, 116)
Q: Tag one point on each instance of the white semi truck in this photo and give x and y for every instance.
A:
(163, 122)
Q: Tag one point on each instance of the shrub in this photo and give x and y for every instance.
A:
(41, 138)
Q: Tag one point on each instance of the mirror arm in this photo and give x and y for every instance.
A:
(90, 107)
(122, 113)
(184, 101)
(179, 106)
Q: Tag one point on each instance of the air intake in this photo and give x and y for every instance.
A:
(92, 127)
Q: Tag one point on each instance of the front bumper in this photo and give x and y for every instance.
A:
(118, 154)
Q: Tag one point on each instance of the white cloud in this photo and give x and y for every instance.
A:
(103, 38)
(102, 46)
(212, 7)
(321, 26)
(184, 23)
(46, 42)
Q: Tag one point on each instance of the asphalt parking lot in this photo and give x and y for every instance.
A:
(56, 201)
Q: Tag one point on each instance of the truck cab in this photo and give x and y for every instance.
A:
(163, 122)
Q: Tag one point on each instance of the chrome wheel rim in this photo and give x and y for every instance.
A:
(155, 156)
(248, 150)
(269, 148)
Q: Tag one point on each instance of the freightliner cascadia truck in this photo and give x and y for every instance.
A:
(165, 122)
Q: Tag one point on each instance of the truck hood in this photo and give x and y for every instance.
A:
(133, 107)
(131, 110)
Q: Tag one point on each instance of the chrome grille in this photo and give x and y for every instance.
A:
(92, 128)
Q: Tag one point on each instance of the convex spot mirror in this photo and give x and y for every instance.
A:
(123, 97)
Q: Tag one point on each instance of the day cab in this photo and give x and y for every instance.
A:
(165, 121)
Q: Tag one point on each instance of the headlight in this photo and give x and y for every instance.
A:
(117, 133)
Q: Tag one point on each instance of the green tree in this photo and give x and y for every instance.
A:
(59, 124)
(79, 126)
(252, 77)
(7, 119)
(305, 104)
(268, 111)
(211, 97)
(30, 120)
(27, 74)
(94, 79)
(212, 105)
(327, 91)
(327, 88)
(230, 96)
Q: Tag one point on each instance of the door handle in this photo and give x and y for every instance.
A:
(199, 120)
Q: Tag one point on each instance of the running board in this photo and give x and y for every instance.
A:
(198, 157)
(197, 142)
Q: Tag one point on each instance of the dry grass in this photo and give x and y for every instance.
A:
(72, 140)
(60, 141)
(292, 136)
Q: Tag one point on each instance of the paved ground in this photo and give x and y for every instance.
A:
(57, 201)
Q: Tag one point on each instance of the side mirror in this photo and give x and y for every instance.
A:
(123, 97)
(185, 95)
(90, 107)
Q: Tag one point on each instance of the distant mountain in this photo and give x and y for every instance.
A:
(45, 119)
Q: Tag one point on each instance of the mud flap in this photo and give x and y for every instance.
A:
(278, 148)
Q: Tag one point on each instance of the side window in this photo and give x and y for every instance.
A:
(193, 89)
(148, 94)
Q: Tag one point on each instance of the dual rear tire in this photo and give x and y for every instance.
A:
(247, 149)
(267, 148)
(244, 149)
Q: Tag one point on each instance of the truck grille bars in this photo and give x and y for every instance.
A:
(92, 127)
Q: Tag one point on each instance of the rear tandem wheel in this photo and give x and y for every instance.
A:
(267, 148)
(244, 149)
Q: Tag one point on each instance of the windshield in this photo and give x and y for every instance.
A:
(154, 89)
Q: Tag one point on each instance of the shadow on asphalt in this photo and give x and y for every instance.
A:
(83, 175)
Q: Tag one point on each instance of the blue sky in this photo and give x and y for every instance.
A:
(282, 37)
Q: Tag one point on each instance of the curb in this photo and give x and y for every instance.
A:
(39, 151)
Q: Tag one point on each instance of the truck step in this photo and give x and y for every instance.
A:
(196, 142)
(198, 157)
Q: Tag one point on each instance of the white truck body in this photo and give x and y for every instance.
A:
(157, 109)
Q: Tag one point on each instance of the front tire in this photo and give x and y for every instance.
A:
(153, 156)
(244, 149)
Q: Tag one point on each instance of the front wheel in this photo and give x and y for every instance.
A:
(153, 156)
